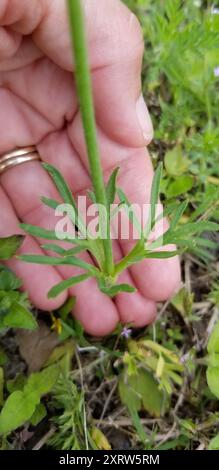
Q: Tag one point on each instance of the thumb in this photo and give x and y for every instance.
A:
(120, 108)
(115, 50)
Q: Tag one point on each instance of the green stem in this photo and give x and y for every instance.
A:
(84, 88)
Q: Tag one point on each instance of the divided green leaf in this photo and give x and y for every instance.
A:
(9, 246)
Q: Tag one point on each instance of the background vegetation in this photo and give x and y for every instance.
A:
(156, 388)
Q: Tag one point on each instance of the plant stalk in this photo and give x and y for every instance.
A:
(84, 89)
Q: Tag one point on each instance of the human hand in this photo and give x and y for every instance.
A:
(39, 106)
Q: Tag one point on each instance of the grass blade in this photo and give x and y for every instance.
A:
(66, 195)
(50, 234)
(61, 185)
(61, 251)
(53, 261)
(111, 187)
(161, 254)
(50, 202)
(67, 284)
(55, 248)
(155, 192)
(178, 214)
(127, 205)
(154, 199)
(91, 196)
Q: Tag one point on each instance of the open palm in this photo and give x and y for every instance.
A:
(39, 106)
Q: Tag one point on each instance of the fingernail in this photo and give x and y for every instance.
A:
(144, 119)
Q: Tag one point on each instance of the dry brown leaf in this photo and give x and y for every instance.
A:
(36, 346)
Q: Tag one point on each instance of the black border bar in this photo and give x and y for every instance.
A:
(104, 459)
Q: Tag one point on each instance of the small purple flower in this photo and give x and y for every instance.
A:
(216, 71)
(214, 10)
(126, 332)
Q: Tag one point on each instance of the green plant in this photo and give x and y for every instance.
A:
(14, 305)
(214, 443)
(71, 427)
(213, 361)
(23, 404)
(106, 271)
(9, 246)
(212, 373)
(148, 380)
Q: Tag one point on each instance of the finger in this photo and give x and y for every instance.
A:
(133, 308)
(25, 55)
(96, 311)
(21, 125)
(43, 85)
(115, 49)
(22, 15)
(37, 280)
(156, 279)
(9, 42)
